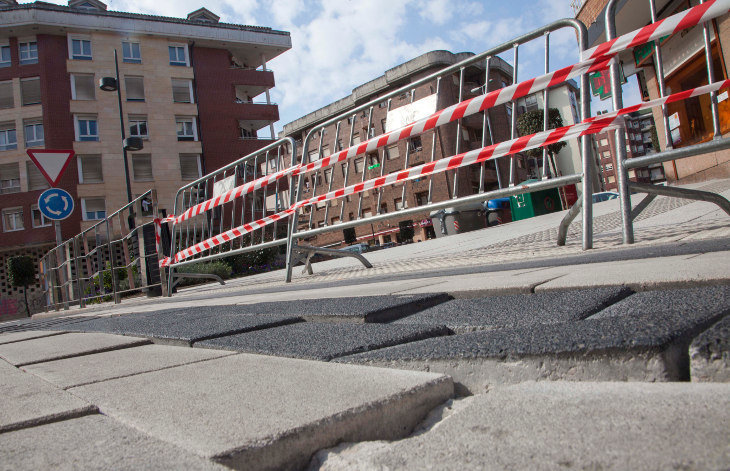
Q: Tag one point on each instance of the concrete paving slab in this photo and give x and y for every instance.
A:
(480, 284)
(92, 442)
(29, 401)
(185, 326)
(562, 425)
(323, 341)
(103, 366)
(352, 309)
(267, 412)
(11, 337)
(63, 346)
(518, 310)
(647, 340)
(651, 273)
(709, 353)
(41, 323)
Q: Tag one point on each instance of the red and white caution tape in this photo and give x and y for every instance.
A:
(590, 126)
(673, 24)
(596, 59)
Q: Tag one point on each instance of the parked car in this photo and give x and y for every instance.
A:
(604, 196)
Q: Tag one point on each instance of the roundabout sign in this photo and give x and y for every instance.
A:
(55, 204)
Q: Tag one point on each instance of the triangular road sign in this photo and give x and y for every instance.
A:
(51, 162)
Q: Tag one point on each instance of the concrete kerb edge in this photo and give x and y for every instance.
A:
(90, 352)
(50, 418)
(390, 418)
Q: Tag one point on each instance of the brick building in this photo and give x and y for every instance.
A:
(685, 67)
(640, 134)
(428, 98)
(194, 89)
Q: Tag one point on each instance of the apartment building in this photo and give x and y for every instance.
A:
(400, 110)
(194, 89)
(684, 67)
(640, 134)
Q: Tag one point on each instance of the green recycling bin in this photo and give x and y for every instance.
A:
(528, 205)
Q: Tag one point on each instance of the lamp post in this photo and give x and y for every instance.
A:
(110, 84)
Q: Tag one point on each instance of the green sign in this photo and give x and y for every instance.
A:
(601, 81)
(645, 51)
(373, 166)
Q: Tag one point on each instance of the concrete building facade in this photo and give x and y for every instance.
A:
(417, 150)
(194, 89)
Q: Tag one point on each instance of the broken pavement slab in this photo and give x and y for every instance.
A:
(710, 353)
(644, 337)
(64, 346)
(518, 310)
(29, 401)
(323, 341)
(92, 442)
(256, 412)
(556, 425)
(87, 369)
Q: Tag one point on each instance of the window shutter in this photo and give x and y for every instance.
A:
(189, 166)
(135, 88)
(91, 169)
(6, 95)
(36, 180)
(30, 91)
(142, 167)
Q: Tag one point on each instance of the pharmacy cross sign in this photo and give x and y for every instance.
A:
(51, 162)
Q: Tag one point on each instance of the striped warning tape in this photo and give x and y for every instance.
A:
(590, 126)
(597, 59)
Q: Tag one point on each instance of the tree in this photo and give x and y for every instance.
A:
(531, 123)
(21, 272)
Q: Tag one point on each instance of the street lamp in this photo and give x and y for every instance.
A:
(110, 84)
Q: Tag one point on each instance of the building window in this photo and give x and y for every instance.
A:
(90, 169)
(4, 56)
(86, 128)
(8, 139)
(138, 126)
(178, 54)
(81, 49)
(142, 167)
(508, 109)
(6, 95)
(34, 134)
(12, 219)
(30, 91)
(131, 52)
(134, 87)
(415, 144)
(28, 52)
(422, 198)
(398, 203)
(609, 166)
(36, 180)
(392, 152)
(182, 90)
(83, 87)
(356, 139)
(39, 220)
(359, 164)
(93, 209)
(186, 129)
(10, 178)
(328, 175)
(190, 166)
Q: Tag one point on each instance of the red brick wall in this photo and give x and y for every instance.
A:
(218, 113)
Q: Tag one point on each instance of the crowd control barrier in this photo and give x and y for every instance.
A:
(701, 14)
(113, 257)
(478, 108)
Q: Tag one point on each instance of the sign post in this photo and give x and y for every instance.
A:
(55, 204)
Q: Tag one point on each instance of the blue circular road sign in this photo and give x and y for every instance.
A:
(56, 204)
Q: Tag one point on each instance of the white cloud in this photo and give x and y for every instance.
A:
(240, 11)
(438, 11)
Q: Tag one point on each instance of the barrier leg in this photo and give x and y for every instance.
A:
(686, 193)
(567, 220)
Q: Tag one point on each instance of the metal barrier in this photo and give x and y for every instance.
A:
(209, 211)
(703, 13)
(452, 116)
(115, 256)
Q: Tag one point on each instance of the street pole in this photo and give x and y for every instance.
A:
(130, 219)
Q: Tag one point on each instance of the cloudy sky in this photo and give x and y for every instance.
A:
(339, 44)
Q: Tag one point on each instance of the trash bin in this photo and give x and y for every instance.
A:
(460, 219)
(529, 205)
(498, 211)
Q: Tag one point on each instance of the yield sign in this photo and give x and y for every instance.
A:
(51, 162)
